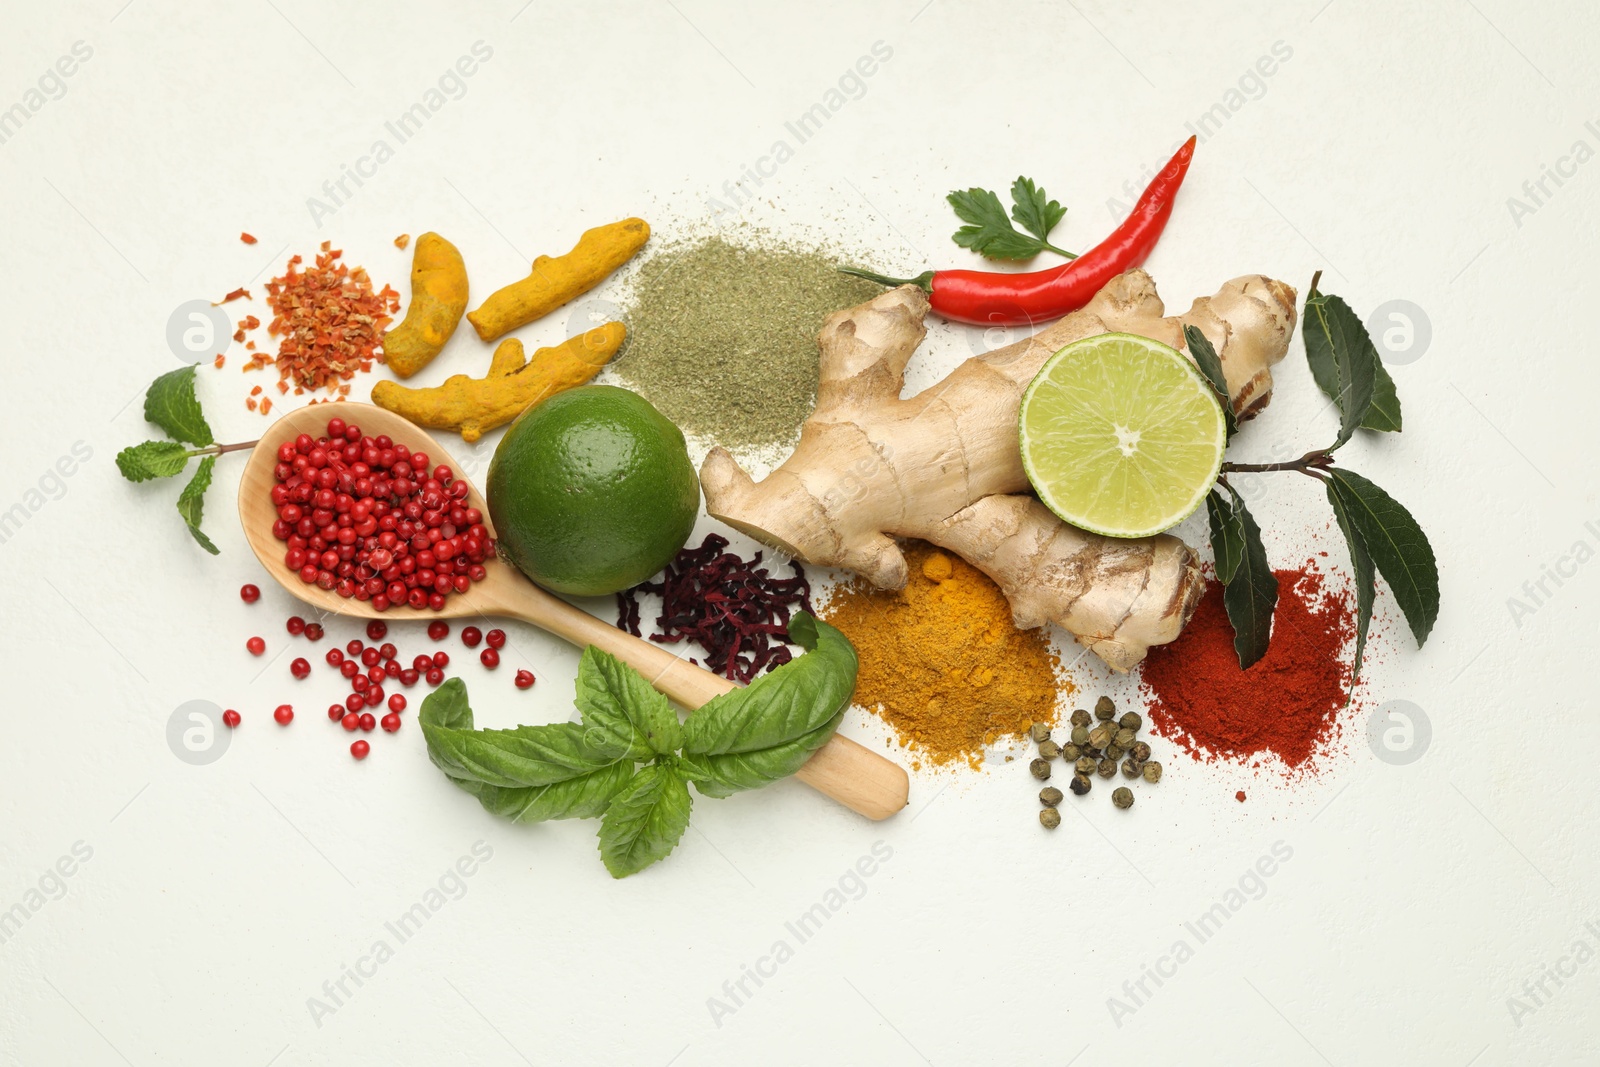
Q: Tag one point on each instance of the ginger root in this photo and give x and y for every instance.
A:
(553, 282)
(474, 406)
(945, 465)
(438, 297)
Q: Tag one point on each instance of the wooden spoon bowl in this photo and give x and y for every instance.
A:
(858, 778)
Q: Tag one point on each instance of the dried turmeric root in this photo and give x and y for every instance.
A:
(554, 282)
(438, 297)
(474, 406)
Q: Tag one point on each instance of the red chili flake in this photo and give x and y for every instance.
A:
(255, 390)
(238, 335)
(266, 404)
(283, 386)
(401, 241)
(730, 607)
(235, 295)
(219, 361)
(250, 403)
(329, 318)
(247, 238)
(250, 322)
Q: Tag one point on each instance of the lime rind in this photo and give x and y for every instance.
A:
(1121, 435)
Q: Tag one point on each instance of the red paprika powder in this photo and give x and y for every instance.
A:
(1287, 704)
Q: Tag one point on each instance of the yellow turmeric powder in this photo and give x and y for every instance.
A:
(941, 661)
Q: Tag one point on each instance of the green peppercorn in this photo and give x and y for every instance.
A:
(1132, 768)
(1130, 721)
(1040, 769)
(1125, 737)
(1085, 765)
(1081, 784)
(1040, 731)
(1080, 718)
(1049, 818)
(1080, 735)
(1122, 797)
(1152, 772)
(1141, 752)
(1105, 709)
(1071, 752)
(1106, 767)
(1049, 796)
(1115, 752)
(1100, 736)
(1049, 749)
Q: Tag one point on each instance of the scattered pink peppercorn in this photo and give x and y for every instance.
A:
(409, 676)
(230, 718)
(284, 714)
(335, 657)
(387, 651)
(377, 629)
(397, 702)
(335, 712)
(353, 704)
(441, 659)
(355, 647)
(470, 636)
(373, 695)
(300, 667)
(359, 749)
(250, 594)
(489, 658)
(390, 722)
(495, 638)
(524, 680)
(313, 631)
(367, 721)
(434, 676)
(296, 625)
(349, 668)
(438, 629)
(256, 646)
(360, 683)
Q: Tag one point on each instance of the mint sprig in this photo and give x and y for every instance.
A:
(629, 762)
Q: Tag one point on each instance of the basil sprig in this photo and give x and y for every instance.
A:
(629, 762)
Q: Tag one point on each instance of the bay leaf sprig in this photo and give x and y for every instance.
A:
(629, 762)
(991, 233)
(170, 403)
(1383, 538)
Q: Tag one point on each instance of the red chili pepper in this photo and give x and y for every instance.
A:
(992, 298)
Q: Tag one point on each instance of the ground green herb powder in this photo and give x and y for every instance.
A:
(722, 336)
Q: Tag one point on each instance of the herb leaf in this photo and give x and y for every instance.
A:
(1034, 210)
(645, 820)
(1205, 357)
(989, 231)
(191, 502)
(1227, 535)
(1251, 595)
(616, 699)
(724, 775)
(784, 705)
(1361, 563)
(1398, 547)
(1346, 366)
(583, 797)
(153, 459)
(170, 403)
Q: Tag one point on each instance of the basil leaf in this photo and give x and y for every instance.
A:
(524, 757)
(1398, 546)
(153, 459)
(583, 797)
(1342, 358)
(1361, 563)
(1205, 357)
(784, 705)
(1033, 210)
(645, 820)
(724, 775)
(1227, 535)
(170, 403)
(191, 502)
(1251, 596)
(447, 707)
(616, 700)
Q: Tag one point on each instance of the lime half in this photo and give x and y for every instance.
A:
(1121, 435)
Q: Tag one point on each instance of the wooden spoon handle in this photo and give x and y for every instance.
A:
(856, 777)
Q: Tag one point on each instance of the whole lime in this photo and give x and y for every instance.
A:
(592, 491)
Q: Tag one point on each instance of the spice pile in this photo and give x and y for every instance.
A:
(722, 336)
(941, 661)
(331, 322)
(1286, 705)
(731, 607)
(1090, 751)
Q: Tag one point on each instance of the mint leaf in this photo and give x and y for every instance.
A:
(153, 459)
(1205, 357)
(1251, 595)
(724, 775)
(645, 820)
(615, 699)
(1227, 535)
(170, 403)
(1034, 210)
(1361, 562)
(191, 502)
(782, 706)
(1398, 546)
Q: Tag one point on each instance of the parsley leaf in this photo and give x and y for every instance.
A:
(989, 230)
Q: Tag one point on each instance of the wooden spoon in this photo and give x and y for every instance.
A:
(856, 777)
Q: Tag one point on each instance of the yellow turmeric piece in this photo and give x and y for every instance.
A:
(474, 406)
(554, 282)
(438, 297)
(941, 661)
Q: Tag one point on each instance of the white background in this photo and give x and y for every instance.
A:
(219, 898)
